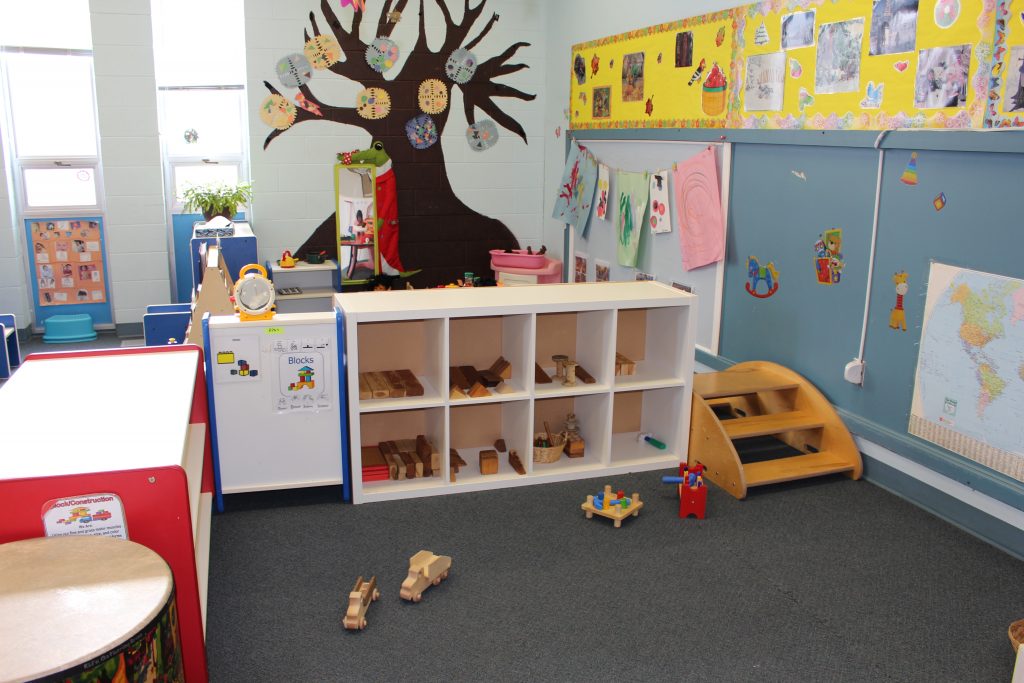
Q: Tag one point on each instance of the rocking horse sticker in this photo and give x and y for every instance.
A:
(758, 273)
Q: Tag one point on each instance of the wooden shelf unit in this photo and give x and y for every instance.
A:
(429, 331)
(319, 282)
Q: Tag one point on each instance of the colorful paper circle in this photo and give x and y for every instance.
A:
(433, 96)
(946, 13)
(323, 52)
(461, 65)
(277, 112)
(373, 103)
(382, 54)
(421, 131)
(294, 70)
(482, 135)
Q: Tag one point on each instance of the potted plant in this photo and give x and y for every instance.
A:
(216, 199)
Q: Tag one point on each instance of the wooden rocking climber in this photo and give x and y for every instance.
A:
(759, 399)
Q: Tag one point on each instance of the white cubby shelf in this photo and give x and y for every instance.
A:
(431, 331)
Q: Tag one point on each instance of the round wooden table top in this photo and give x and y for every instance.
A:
(67, 600)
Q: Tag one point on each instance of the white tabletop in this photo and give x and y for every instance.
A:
(96, 414)
(470, 301)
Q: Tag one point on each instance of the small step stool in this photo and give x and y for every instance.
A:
(66, 329)
(759, 398)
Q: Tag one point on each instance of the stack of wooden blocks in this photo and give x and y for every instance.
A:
(388, 384)
(623, 365)
(401, 459)
(468, 381)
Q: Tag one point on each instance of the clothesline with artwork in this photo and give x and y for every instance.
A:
(638, 202)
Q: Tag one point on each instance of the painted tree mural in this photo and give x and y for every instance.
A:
(439, 234)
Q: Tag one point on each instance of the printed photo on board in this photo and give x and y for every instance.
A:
(684, 49)
(839, 57)
(942, 77)
(633, 77)
(602, 102)
(797, 30)
(1014, 98)
(893, 26)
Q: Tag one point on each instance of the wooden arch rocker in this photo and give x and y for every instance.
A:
(757, 399)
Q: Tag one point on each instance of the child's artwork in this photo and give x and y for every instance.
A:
(828, 257)
(942, 77)
(699, 211)
(766, 78)
(684, 49)
(632, 189)
(581, 267)
(602, 192)
(797, 30)
(1013, 100)
(576, 191)
(893, 26)
(839, 48)
(633, 77)
(602, 103)
(660, 216)
(603, 270)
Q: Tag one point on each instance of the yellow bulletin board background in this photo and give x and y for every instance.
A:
(674, 104)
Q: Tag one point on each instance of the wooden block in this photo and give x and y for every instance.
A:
(500, 446)
(365, 392)
(456, 393)
(451, 473)
(479, 391)
(515, 462)
(488, 462)
(502, 368)
(408, 447)
(395, 383)
(584, 376)
(539, 376)
(456, 459)
(623, 365)
(378, 384)
(489, 379)
(504, 388)
(396, 468)
(574, 448)
(470, 373)
(411, 384)
(410, 465)
(458, 379)
(372, 457)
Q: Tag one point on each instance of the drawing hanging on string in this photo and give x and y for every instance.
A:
(601, 207)
(633, 190)
(660, 216)
(699, 211)
(576, 191)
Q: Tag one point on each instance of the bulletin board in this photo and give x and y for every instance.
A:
(659, 254)
(817, 65)
(69, 275)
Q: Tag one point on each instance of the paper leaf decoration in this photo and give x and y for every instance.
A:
(323, 52)
(421, 131)
(277, 112)
(294, 70)
(308, 105)
(482, 135)
(373, 103)
(433, 96)
(461, 65)
(382, 54)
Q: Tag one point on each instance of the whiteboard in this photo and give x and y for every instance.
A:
(659, 255)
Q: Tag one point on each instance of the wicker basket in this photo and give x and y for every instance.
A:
(1016, 632)
(552, 452)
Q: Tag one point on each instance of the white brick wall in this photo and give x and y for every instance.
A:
(14, 290)
(137, 260)
(293, 185)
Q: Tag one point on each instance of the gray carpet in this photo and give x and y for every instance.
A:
(824, 580)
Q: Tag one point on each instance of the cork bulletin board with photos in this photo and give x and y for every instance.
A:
(67, 260)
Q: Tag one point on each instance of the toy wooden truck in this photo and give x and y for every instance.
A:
(425, 569)
(359, 601)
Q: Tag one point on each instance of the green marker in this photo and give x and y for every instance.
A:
(654, 442)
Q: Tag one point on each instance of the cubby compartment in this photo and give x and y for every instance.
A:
(475, 428)
(394, 428)
(591, 411)
(485, 349)
(390, 350)
(584, 337)
(647, 347)
(655, 412)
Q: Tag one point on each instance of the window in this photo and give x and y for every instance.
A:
(51, 107)
(201, 93)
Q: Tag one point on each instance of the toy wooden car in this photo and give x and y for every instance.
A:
(425, 568)
(359, 601)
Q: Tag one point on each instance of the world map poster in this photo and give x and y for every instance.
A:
(969, 388)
